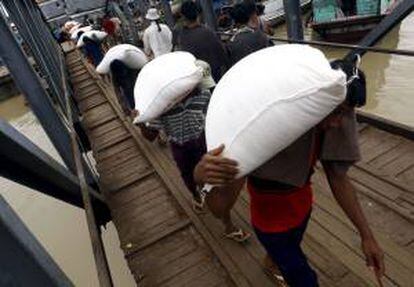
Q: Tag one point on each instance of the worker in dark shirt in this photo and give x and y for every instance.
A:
(200, 41)
(248, 37)
(281, 189)
(123, 79)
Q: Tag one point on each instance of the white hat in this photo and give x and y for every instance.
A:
(152, 14)
(207, 81)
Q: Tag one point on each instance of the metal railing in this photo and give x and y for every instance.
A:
(45, 56)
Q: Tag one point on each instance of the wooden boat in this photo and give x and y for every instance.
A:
(274, 13)
(335, 25)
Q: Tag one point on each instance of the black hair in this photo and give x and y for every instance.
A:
(242, 12)
(190, 10)
(79, 34)
(158, 25)
(118, 71)
(124, 78)
(356, 94)
(260, 8)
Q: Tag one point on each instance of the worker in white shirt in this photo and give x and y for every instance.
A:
(157, 37)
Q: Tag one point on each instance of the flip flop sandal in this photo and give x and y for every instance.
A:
(198, 207)
(275, 276)
(238, 235)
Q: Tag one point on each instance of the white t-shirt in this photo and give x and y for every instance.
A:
(157, 42)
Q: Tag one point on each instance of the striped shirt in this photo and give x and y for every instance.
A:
(186, 120)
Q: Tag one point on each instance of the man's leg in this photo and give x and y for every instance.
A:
(284, 249)
(182, 157)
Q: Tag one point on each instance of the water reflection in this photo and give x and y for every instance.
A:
(60, 227)
(389, 77)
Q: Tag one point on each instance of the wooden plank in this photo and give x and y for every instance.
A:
(170, 269)
(80, 78)
(111, 138)
(89, 102)
(175, 188)
(379, 143)
(113, 150)
(98, 116)
(407, 176)
(157, 237)
(371, 182)
(122, 158)
(396, 272)
(351, 280)
(346, 255)
(400, 164)
(114, 181)
(141, 231)
(80, 72)
(404, 147)
(86, 85)
(87, 94)
(385, 177)
(393, 250)
(111, 143)
(104, 129)
(86, 91)
(388, 226)
(144, 198)
(145, 211)
(197, 275)
(135, 191)
(323, 259)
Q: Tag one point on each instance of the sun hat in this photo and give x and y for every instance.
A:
(152, 14)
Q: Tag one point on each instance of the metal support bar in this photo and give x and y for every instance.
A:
(293, 19)
(166, 8)
(400, 52)
(29, 84)
(23, 260)
(208, 13)
(396, 16)
(23, 162)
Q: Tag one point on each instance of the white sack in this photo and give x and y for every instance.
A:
(128, 54)
(93, 34)
(76, 29)
(70, 24)
(163, 82)
(268, 100)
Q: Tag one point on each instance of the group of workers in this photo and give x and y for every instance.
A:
(280, 190)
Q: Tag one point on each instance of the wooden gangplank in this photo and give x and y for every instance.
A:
(331, 242)
(166, 244)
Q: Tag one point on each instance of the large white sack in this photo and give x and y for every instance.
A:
(93, 34)
(76, 29)
(128, 54)
(70, 24)
(163, 82)
(268, 100)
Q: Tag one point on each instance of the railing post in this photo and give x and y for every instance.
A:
(293, 19)
(28, 83)
(23, 260)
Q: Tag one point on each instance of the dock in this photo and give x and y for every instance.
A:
(166, 244)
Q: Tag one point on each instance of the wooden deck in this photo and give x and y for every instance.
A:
(166, 244)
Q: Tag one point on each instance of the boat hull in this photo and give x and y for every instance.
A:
(350, 29)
